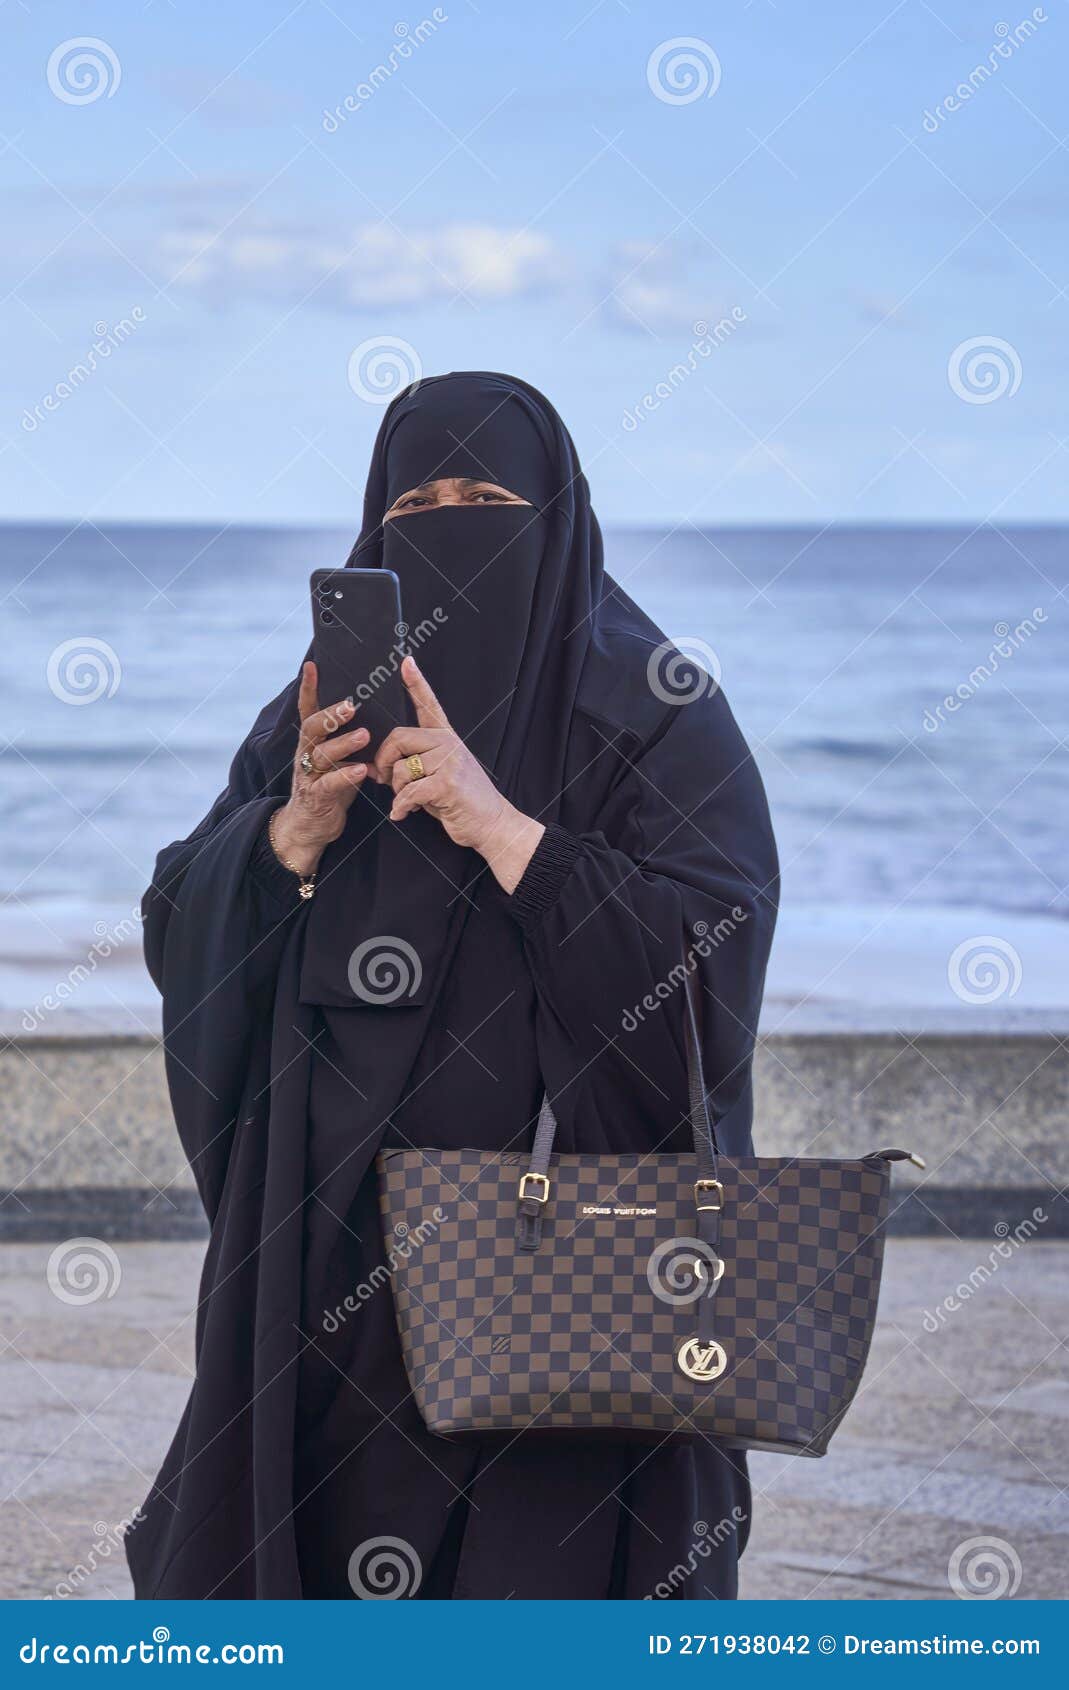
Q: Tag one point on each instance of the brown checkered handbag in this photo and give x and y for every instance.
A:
(648, 1296)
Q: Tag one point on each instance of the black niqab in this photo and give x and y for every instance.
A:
(499, 602)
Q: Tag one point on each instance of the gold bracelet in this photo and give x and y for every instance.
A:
(306, 882)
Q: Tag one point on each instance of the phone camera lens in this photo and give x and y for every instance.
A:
(327, 617)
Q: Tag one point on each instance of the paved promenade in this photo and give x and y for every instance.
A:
(960, 1432)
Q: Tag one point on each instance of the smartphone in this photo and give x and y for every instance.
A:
(357, 645)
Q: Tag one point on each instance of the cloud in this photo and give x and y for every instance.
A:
(371, 265)
(226, 99)
(660, 290)
(651, 307)
(883, 308)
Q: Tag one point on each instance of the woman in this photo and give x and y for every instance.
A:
(525, 864)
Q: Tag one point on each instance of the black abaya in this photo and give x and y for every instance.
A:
(301, 1443)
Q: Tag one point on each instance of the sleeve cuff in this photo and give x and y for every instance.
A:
(545, 874)
(272, 877)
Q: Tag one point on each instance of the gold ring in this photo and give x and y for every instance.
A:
(415, 766)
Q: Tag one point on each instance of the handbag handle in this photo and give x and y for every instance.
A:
(535, 1184)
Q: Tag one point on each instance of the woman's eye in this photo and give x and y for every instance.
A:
(490, 498)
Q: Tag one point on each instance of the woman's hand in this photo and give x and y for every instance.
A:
(454, 787)
(319, 802)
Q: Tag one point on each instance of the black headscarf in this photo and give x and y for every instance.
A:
(499, 604)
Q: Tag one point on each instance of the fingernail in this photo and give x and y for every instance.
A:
(359, 768)
(349, 701)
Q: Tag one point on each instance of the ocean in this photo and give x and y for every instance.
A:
(906, 691)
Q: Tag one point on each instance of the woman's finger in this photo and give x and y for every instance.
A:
(308, 694)
(328, 753)
(402, 742)
(316, 727)
(417, 795)
(429, 713)
(432, 760)
(340, 783)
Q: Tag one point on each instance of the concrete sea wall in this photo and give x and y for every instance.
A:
(89, 1146)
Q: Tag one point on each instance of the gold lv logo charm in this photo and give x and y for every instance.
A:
(701, 1361)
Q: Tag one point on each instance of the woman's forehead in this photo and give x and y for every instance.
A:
(453, 483)
(468, 428)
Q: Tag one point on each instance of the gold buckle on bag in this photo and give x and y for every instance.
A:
(535, 1196)
(703, 1185)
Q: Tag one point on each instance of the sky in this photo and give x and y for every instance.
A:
(264, 216)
